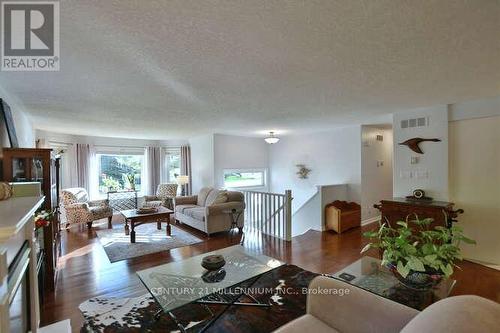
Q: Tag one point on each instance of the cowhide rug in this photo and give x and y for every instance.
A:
(282, 288)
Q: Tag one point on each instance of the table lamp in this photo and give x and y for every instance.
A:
(182, 180)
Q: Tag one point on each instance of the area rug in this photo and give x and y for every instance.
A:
(148, 240)
(137, 314)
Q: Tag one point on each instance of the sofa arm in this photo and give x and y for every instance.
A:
(96, 203)
(188, 200)
(220, 208)
(350, 309)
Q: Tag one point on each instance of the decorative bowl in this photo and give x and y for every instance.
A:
(213, 262)
(146, 210)
(418, 280)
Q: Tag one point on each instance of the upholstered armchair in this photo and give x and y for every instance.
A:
(79, 209)
(165, 194)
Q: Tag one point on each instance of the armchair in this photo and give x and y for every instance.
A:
(79, 209)
(165, 194)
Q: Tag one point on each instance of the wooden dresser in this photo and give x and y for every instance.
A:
(398, 209)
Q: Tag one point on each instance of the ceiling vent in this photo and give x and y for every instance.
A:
(415, 122)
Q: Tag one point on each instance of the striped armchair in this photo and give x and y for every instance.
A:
(165, 194)
(79, 209)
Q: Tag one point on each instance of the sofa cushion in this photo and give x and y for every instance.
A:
(306, 323)
(216, 197)
(465, 313)
(197, 213)
(202, 196)
(181, 208)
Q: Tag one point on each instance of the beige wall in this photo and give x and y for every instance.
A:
(474, 171)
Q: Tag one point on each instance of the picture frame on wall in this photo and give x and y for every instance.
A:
(6, 115)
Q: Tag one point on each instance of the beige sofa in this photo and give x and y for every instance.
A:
(208, 211)
(360, 311)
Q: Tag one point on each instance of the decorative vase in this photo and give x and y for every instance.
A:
(418, 280)
(5, 190)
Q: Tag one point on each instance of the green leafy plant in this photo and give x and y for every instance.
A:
(415, 246)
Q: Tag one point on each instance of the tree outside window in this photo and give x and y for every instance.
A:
(119, 172)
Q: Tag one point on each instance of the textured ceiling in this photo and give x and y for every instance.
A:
(173, 69)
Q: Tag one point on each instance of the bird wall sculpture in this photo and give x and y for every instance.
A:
(413, 144)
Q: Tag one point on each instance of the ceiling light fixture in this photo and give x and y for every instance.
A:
(271, 139)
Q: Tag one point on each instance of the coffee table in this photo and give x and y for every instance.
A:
(135, 219)
(182, 282)
(368, 274)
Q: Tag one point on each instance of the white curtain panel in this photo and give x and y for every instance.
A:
(83, 165)
(186, 166)
(153, 169)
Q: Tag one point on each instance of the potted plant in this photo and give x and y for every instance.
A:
(418, 255)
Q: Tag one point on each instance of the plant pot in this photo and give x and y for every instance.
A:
(418, 280)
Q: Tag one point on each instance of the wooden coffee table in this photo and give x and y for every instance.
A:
(135, 219)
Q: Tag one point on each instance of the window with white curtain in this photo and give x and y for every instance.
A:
(171, 165)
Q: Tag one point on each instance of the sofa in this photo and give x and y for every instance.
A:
(359, 311)
(209, 210)
(79, 209)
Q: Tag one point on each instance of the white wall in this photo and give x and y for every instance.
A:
(431, 173)
(238, 152)
(334, 157)
(475, 184)
(376, 168)
(202, 162)
(486, 107)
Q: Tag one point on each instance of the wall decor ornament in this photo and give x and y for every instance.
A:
(413, 144)
(303, 172)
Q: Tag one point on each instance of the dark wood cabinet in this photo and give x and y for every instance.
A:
(40, 165)
(398, 209)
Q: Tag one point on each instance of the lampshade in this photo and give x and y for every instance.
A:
(271, 139)
(182, 180)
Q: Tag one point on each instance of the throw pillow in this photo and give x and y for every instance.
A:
(216, 197)
(202, 196)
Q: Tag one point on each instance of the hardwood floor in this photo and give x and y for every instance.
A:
(85, 271)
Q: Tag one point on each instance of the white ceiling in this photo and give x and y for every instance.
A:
(174, 69)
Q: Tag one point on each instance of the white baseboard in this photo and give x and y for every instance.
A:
(370, 220)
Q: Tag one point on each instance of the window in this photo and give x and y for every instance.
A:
(172, 166)
(244, 178)
(119, 172)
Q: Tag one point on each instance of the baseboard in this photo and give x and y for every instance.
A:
(486, 264)
(370, 220)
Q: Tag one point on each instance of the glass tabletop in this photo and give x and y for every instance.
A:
(368, 274)
(179, 283)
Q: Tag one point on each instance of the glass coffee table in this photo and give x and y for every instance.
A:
(368, 274)
(183, 282)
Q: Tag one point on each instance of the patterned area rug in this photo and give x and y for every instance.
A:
(148, 240)
(281, 287)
